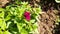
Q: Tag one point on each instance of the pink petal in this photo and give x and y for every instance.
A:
(28, 18)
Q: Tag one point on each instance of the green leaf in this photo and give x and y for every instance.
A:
(6, 32)
(19, 27)
(1, 32)
(23, 31)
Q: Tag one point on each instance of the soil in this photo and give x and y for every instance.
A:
(51, 10)
(47, 22)
(3, 2)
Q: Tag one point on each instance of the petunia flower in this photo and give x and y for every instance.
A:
(27, 16)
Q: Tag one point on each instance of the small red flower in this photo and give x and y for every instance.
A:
(27, 16)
